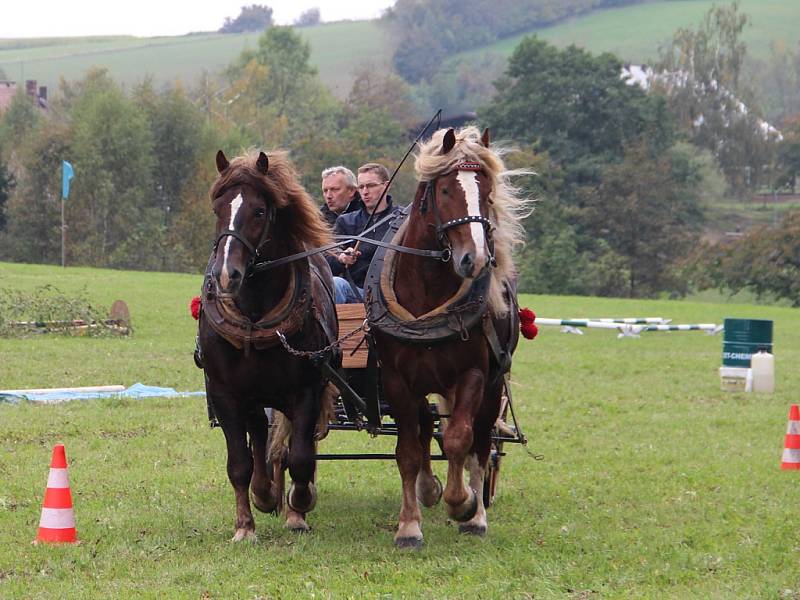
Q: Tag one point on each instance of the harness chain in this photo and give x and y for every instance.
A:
(315, 354)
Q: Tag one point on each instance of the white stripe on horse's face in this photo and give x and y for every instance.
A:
(236, 204)
(469, 183)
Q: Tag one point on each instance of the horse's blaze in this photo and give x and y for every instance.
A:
(468, 180)
(225, 278)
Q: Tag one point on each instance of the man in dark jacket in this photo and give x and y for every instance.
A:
(340, 191)
(373, 179)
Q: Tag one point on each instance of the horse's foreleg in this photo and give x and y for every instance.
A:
(408, 454)
(240, 470)
(262, 487)
(428, 487)
(302, 495)
(477, 525)
(478, 459)
(461, 500)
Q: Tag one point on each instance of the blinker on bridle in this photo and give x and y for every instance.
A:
(429, 197)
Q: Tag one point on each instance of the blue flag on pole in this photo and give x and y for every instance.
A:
(66, 176)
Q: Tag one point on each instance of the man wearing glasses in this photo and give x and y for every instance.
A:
(373, 180)
(340, 191)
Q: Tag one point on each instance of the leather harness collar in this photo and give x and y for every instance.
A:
(288, 316)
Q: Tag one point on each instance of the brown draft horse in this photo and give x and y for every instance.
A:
(263, 214)
(466, 204)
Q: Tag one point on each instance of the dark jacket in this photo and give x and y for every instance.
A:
(353, 223)
(331, 216)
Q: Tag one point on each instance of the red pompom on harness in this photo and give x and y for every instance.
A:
(526, 323)
(194, 307)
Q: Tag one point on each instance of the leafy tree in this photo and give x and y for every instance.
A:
(575, 106)
(765, 260)
(113, 159)
(462, 84)
(308, 18)
(287, 71)
(778, 80)
(176, 125)
(647, 212)
(703, 80)
(251, 18)
(7, 183)
(33, 210)
(20, 118)
(788, 158)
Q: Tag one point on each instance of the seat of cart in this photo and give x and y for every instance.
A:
(354, 349)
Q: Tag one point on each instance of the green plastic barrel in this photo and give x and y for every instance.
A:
(743, 338)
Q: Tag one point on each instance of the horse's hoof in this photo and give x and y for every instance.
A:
(471, 510)
(302, 502)
(271, 505)
(427, 498)
(244, 534)
(408, 543)
(298, 525)
(472, 529)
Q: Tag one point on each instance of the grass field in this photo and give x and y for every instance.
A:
(635, 33)
(336, 49)
(653, 482)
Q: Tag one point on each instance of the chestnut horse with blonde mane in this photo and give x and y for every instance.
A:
(263, 214)
(449, 326)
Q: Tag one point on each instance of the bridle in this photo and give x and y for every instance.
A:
(429, 198)
(255, 251)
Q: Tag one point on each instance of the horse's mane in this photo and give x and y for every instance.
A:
(296, 213)
(507, 208)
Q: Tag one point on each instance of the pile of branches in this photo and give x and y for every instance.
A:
(49, 310)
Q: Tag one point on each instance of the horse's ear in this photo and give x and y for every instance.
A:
(485, 138)
(222, 162)
(262, 163)
(449, 141)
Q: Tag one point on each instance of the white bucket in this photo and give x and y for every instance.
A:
(735, 379)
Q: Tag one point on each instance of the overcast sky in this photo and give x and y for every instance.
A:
(45, 18)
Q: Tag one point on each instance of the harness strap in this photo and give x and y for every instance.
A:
(440, 254)
(271, 264)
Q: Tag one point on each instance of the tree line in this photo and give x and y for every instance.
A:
(623, 175)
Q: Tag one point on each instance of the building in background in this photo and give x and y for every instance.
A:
(9, 89)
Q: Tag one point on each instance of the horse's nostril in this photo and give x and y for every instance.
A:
(467, 261)
(235, 275)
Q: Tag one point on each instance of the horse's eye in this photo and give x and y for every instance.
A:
(260, 212)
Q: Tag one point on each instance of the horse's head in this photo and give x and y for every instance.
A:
(245, 213)
(458, 200)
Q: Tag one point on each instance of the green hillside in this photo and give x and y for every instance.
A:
(337, 48)
(632, 32)
(635, 33)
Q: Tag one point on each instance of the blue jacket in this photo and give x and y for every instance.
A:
(353, 223)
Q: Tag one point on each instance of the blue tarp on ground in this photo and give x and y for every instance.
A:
(137, 390)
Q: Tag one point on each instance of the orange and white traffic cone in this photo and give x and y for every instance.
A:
(57, 525)
(791, 451)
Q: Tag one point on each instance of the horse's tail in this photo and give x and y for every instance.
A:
(282, 427)
(280, 433)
